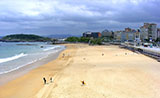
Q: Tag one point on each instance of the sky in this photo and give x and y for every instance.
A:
(47, 17)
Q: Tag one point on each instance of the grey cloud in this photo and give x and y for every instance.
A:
(76, 16)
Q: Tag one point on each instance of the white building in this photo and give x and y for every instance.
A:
(107, 33)
(152, 31)
(158, 33)
(144, 33)
(117, 35)
(148, 31)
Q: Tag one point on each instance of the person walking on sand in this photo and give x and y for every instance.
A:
(63, 55)
(83, 83)
(44, 79)
(51, 80)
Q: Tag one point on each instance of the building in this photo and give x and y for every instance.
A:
(128, 29)
(144, 33)
(87, 34)
(117, 35)
(148, 31)
(96, 34)
(158, 33)
(107, 33)
(127, 35)
(152, 31)
(130, 34)
(137, 38)
(123, 36)
(92, 34)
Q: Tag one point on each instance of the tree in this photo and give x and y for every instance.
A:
(72, 39)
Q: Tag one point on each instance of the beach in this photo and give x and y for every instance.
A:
(108, 72)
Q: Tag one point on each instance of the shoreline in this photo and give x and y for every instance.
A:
(7, 77)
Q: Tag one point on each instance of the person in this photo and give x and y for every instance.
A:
(83, 83)
(51, 80)
(44, 79)
(63, 55)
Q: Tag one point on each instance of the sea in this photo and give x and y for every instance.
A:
(14, 55)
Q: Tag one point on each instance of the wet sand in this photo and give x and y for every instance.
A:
(108, 71)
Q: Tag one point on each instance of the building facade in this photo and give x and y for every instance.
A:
(152, 31)
(117, 35)
(127, 35)
(128, 29)
(107, 33)
(92, 34)
(158, 33)
(143, 33)
(87, 34)
(96, 34)
(148, 31)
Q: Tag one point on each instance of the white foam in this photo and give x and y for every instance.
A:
(51, 48)
(17, 67)
(2, 60)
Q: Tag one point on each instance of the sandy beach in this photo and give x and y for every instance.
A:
(108, 71)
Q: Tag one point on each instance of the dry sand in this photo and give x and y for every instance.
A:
(119, 73)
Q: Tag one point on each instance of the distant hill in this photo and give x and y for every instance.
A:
(61, 36)
(24, 38)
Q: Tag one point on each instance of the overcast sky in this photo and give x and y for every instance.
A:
(45, 17)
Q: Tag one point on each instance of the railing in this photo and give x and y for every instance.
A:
(152, 54)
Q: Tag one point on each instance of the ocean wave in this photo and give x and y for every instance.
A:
(35, 60)
(51, 48)
(2, 60)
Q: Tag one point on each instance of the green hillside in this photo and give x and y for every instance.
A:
(25, 37)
